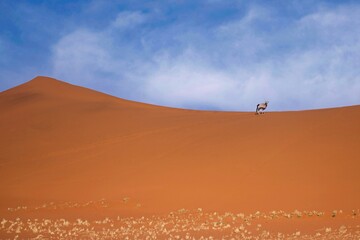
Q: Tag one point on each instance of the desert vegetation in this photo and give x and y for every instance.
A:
(180, 224)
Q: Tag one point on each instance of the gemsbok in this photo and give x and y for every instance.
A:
(260, 108)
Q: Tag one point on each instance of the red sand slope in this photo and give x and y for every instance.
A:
(60, 142)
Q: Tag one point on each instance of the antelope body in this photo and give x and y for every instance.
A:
(261, 107)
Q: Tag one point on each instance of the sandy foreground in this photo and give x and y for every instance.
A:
(79, 164)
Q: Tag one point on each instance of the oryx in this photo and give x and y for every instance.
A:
(261, 107)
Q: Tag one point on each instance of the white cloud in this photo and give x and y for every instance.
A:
(332, 18)
(186, 81)
(128, 19)
(230, 67)
(91, 59)
(241, 35)
(81, 53)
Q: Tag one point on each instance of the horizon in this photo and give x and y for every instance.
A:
(170, 107)
(207, 55)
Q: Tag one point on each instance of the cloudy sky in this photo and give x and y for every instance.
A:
(210, 54)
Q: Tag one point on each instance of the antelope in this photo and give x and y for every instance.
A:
(260, 108)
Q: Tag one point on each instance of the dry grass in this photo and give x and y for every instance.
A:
(181, 224)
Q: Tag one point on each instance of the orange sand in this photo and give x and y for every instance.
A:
(63, 143)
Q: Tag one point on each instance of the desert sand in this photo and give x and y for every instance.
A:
(76, 163)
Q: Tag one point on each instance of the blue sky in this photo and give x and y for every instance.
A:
(211, 54)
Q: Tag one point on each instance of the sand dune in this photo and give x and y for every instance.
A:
(63, 143)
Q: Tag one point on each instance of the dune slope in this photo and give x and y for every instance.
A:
(61, 142)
